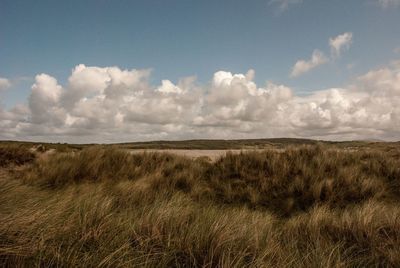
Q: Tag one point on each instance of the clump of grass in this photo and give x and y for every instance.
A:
(96, 164)
(15, 155)
(298, 178)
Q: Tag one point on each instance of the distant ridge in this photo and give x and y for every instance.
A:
(208, 144)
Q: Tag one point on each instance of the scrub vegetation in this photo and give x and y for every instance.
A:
(307, 205)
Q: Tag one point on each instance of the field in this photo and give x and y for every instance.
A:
(266, 203)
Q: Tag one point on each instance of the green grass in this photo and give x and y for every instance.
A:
(306, 206)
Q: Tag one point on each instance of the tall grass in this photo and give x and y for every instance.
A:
(11, 154)
(307, 206)
(285, 183)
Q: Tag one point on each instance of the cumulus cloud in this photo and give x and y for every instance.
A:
(340, 43)
(4, 83)
(389, 3)
(283, 5)
(369, 108)
(303, 66)
(113, 105)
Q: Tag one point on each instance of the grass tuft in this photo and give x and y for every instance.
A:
(15, 155)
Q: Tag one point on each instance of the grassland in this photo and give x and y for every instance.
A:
(309, 204)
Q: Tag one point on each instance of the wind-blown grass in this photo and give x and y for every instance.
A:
(307, 206)
(284, 182)
(15, 154)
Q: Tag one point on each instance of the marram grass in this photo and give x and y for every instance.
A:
(306, 206)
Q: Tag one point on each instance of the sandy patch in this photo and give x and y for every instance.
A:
(212, 154)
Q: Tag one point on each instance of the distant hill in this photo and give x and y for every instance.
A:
(202, 144)
(216, 144)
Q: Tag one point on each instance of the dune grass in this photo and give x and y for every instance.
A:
(15, 154)
(307, 206)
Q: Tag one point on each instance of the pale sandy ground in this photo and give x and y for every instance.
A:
(212, 154)
(215, 154)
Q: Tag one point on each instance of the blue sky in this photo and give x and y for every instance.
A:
(181, 38)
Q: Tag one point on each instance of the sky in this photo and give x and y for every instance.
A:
(116, 71)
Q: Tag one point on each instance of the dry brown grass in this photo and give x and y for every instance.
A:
(15, 154)
(309, 206)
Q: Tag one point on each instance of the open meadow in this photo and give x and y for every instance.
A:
(292, 204)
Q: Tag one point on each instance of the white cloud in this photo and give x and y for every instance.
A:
(4, 83)
(340, 43)
(337, 44)
(168, 87)
(303, 66)
(44, 101)
(113, 105)
(389, 3)
(283, 5)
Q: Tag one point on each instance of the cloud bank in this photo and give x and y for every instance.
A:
(114, 105)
